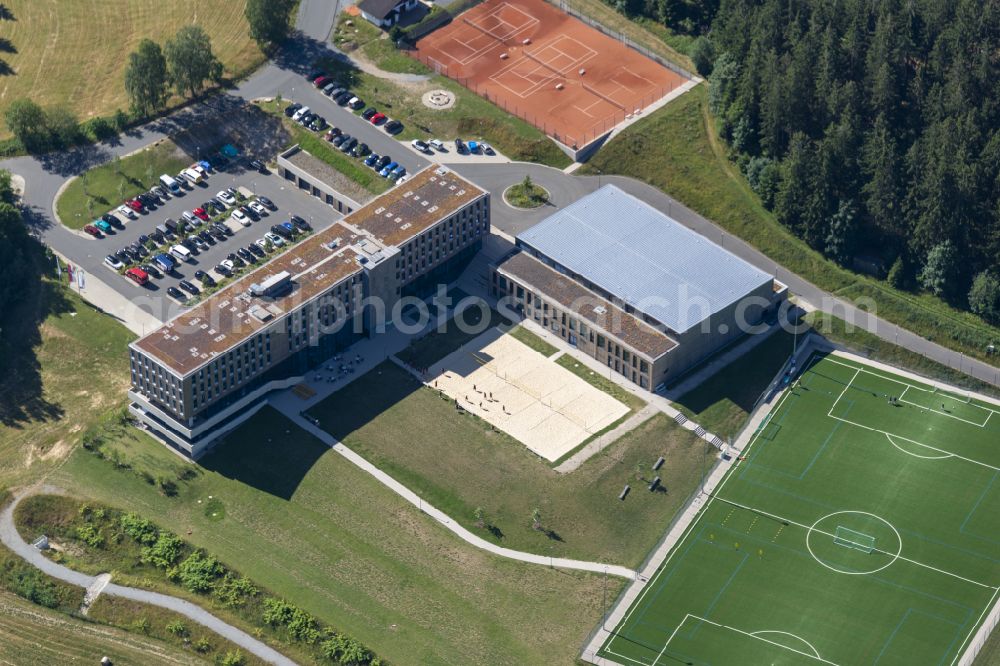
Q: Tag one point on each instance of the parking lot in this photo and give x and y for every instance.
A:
(378, 140)
(153, 297)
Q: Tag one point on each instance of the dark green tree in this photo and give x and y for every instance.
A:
(702, 55)
(28, 123)
(190, 61)
(841, 235)
(940, 274)
(984, 297)
(270, 21)
(63, 126)
(146, 80)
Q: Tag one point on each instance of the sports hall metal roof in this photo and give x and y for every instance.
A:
(646, 259)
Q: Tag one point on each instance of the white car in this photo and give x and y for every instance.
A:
(127, 212)
(240, 217)
(226, 197)
(403, 179)
(258, 208)
(275, 239)
(228, 265)
(262, 244)
(199, 168)
(112, 262)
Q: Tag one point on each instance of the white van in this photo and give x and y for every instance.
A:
(192, 175)
(170, 183)
(181, 253)
(436, 145)
(301, 112)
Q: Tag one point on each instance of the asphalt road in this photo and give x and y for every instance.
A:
(284, 75)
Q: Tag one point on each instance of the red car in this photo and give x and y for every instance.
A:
(200, 212)
(321, 81)
(137, 275)
(377, 118)
(92, 230)
(136, 205)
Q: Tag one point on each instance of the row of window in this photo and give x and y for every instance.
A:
(229, 370)
(154, 381)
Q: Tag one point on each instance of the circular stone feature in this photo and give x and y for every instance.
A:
(854, 542)
(439, 99)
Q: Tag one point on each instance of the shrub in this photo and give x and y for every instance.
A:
(232, 658)
(140, 529)
(177, 628)
(164, 552)
(198, 572)
(90, 535)
(984, 297)
(234, 590)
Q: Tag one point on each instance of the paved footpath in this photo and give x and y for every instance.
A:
(10, 537)
(443, 518)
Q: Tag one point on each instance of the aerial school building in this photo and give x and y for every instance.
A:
(632, 287)
(209, 369)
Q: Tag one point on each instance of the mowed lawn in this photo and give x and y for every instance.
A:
(61, 377)
(458, 463)
(831, 539)
(104, 188)
(74, 53)
(306, 524)
(36, 635)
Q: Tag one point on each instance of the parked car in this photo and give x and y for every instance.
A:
(245, 255)
(356, 103)
(191, 217)
(420, 145)
(387, 169)
(399, 171)
(487, 148)
(372, 159)
(103, 226)
(436, 145)
(174, 292)
(338, 141)
(113, 262)
(333, 133)
(287, 226)
(348, 145)
(256, 250)
(221, 228)
(226, 197)
(143, 240)
(343, 98)
(301, 111)
(258, 207)
(249, 213)
(378, 118)
(382, 161)
(329, 87)
(321, 80)
(394, 127)
(460, 147)
(206, 236)
(292, 108)
(260, 244)
(137, 275)
(136, 205)
(361, 150)
(93, 231)
(188, 287)
(201, 214)
(258, 166)
(274, 238)
(218, 234)
(318, 124)
(315, 74)
(112, 220)
(281, 230)
(300, 223)
(151, 270)
(225, 268)
(157, 236)
(336, 91)
(369, 112)
(306, 118)
(205, 278)
(267, 202)
(165, 262)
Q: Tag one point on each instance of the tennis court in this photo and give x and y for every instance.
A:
(537, 62)
(860, 527)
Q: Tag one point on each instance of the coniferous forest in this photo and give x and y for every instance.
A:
(870, 127)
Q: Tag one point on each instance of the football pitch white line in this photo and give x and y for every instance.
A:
(989, 411)
(833, 536)
(975, 627)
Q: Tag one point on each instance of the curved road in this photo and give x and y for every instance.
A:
(10, 537)
(44, 176)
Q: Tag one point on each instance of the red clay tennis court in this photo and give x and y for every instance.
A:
(539, 63)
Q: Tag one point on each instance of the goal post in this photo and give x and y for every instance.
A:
(849, 538)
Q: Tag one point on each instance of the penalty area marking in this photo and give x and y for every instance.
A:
(942, 456)
(755, 635)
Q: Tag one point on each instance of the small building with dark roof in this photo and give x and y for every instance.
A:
(385, 13)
